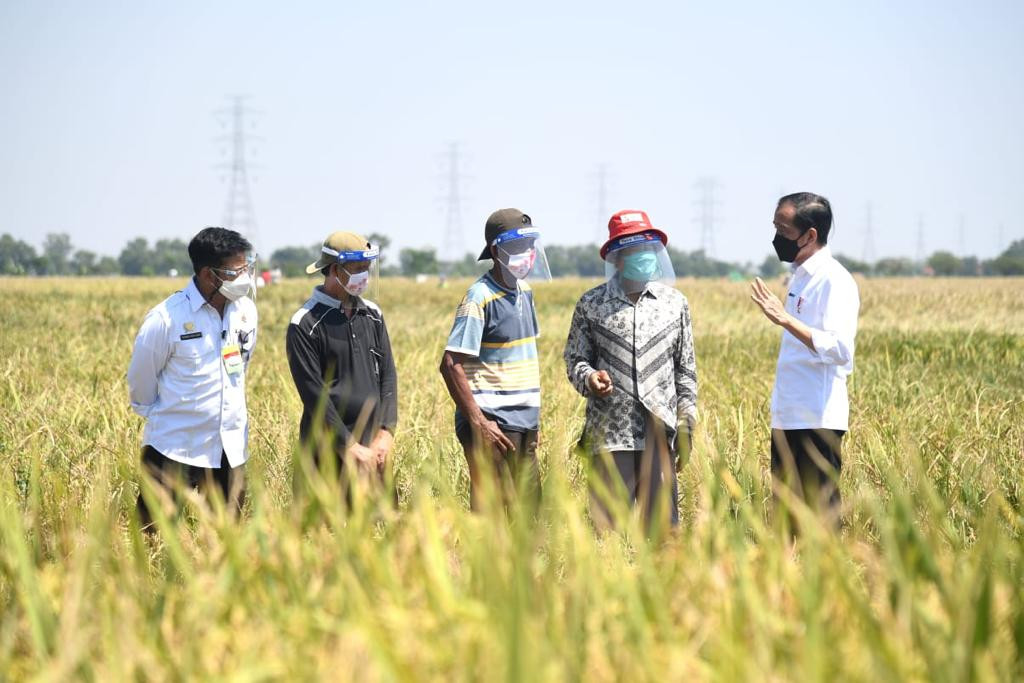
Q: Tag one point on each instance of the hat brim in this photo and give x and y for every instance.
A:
(485, 255)
(318, 265)
(633, 231)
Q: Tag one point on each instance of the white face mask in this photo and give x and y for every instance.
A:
(357, 282)
(233, 290)
(520, 265)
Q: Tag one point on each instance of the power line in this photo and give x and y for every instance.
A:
(454, 244)
(239, 213)
(707, 205)
(921, 253)
(602, 203)
(869, 235)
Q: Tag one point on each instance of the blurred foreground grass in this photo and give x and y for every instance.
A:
(926, 583)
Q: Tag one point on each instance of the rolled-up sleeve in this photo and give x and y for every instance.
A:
(579, 351)
(686, 372)
(149, 356)
(834, 344)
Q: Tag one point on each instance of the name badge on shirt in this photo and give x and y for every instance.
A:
(232, 359)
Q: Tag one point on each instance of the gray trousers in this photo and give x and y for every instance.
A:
(644, 479)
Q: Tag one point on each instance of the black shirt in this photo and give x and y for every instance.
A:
(351, 359)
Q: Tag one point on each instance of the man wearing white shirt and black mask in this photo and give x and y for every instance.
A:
(187, 373)
(810, 406)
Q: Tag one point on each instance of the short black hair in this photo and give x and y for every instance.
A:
(812, 211)
(211, 246)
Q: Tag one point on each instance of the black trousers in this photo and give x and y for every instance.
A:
(808, 463)
(511, 475)
(647, 479)
(169, 474)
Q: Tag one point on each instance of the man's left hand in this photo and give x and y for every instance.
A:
(768, 302)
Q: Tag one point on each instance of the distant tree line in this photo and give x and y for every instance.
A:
(138, 257)
(59, 257)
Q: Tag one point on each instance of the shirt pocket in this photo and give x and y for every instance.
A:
(192, 354)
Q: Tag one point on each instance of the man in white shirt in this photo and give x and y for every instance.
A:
(187, 373)
(810, 406)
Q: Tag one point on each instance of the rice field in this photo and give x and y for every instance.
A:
(926, 581)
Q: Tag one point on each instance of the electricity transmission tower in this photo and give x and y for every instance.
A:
(707, 205)
(602, 203)
(238, 209)
(961, 236)
(869, 236)
(454, 245)
(920, 255)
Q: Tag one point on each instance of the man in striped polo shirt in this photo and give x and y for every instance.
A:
(490, 365)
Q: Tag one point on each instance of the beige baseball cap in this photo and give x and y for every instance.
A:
(343, 246)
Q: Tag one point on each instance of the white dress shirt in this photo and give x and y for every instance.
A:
(810, 386)
(179, 381)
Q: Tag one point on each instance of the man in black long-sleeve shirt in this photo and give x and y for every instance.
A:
(338, 345)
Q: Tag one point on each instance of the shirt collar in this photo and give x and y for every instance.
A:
(614, 290)
(195, 298)
(494, 281)
(815, 262)
(322, 297)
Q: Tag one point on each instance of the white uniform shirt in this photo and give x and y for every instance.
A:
(178, 380)
(810, 386)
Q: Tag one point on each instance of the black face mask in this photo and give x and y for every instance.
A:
(786, 249)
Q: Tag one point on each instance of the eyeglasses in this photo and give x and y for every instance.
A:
(232, 273)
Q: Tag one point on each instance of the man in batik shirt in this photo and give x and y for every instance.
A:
(630, 353)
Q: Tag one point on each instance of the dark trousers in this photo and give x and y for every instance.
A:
(807, 462)
(173, 476)
(512, 475)
(644, 479)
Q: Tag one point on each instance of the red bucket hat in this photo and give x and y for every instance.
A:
(630, 222)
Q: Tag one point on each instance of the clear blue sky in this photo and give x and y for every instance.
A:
(107, 129)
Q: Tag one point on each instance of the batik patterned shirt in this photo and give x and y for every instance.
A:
(647, 349)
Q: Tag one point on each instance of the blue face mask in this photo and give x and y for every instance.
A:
(640, 266)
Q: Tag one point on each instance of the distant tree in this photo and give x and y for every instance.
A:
(698, 264)
(170, 254)
(293, 260)
(135, 258)
(384, 243)
(577, 260)
(468, 266)
(418, 261)
(853, 265)
(57, 252)
(944, 263)
(771, 267)
(896, 267)
(108, 265)
(969, 266)
(1011, 261)
(16, 257)
(83, 263)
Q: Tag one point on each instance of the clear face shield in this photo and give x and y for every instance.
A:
(521, 255)
(635, 261)
(358, 272)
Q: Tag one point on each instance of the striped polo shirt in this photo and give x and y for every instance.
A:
(498, 328)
